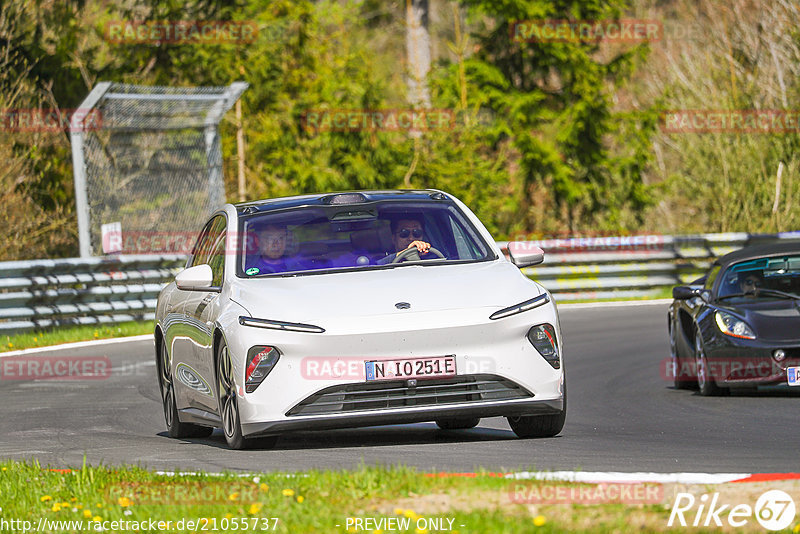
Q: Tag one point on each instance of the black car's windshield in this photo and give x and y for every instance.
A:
(772, 277)
(356, 236)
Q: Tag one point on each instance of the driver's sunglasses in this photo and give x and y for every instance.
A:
(405, 232)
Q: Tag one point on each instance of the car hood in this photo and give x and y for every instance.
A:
(428, 288)
(774, 320)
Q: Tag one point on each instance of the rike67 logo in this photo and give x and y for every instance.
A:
(774, 510)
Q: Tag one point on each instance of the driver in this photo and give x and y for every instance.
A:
(749, 281)
(406, 233)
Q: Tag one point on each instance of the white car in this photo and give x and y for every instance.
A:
(355, 309)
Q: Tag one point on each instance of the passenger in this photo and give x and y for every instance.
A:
(271, 257)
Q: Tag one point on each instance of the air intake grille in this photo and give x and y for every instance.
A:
(398, 394)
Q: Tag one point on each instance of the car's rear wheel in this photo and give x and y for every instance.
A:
(229, 406)
(539, 426)
(705, 379)
(679, 378)
(175, 428)
(458, 423)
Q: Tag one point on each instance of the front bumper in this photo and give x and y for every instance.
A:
(405, 415)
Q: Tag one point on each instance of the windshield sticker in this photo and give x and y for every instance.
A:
(251, 271)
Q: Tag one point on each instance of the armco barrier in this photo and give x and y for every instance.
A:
(44, 293)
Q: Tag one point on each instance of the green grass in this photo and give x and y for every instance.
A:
(311, 501)
(69, 334)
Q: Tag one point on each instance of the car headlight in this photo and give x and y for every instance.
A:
(543, 339)
(733, 326)
(530, 304)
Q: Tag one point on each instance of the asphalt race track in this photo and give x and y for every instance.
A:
(622, 416)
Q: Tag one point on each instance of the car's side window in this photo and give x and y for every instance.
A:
(198, 257)
(216, 250)
(712, 275)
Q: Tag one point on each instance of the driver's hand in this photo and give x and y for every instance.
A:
(422, 246)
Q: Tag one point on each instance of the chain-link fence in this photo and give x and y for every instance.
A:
(149, 164)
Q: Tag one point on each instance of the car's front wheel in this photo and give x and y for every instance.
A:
(229, 406)
(175, 428)
(705, 378)
(458, 423)
(539, 426)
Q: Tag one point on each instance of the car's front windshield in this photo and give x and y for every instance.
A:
(762, 278)
(311, 239)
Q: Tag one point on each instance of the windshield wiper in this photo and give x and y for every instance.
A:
(757, 292)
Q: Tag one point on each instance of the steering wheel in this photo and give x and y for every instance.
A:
(412, 254)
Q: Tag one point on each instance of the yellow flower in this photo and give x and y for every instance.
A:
(87, 514)
(74, 499)
(80, 506)
(124, 502)
(422, 531)
(254, 508)
(263, 487)
(4, 469)
(410, 514)
(34, 340)
(796, 529)
(44, 498)
(288, 492)
(64, 505)
(10, 345)
(97, 519)
(56, 507)
(300, 498)
(95, 333)
(233, 497)
(398, 511)
(539, 520)
(228, 515)
(379, 531)
(99, 505)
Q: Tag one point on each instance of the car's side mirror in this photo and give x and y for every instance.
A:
(197, 278)
(525, 253)
(688, 292)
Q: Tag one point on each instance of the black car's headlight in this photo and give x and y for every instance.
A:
(731, 325)
(543, 339)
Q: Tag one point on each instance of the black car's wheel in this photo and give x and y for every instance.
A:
(539, 426)
(458, 423)
(175, 428)
(705, 378)
(680, 379)
(229, 407)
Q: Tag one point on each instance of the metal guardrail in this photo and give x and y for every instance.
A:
(105, 290)
(102, 290)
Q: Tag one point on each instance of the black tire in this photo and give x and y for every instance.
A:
(458, 423)
(229, 408)
(679, 380)
(539, 426)
(175, 428)
(705, 381)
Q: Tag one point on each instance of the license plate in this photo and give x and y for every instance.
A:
(793, 376)
(411, 368)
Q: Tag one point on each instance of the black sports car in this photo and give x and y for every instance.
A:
(739, 325)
